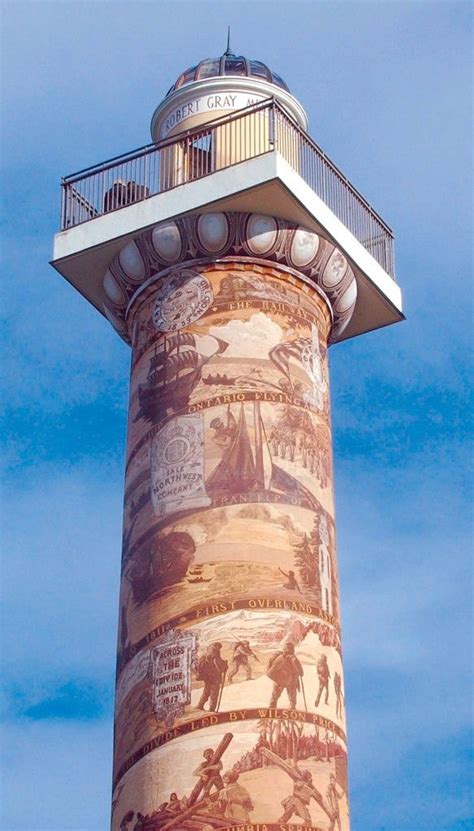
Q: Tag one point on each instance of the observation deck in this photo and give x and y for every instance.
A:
(256, 159)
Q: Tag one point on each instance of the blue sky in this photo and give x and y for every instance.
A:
(387, 89)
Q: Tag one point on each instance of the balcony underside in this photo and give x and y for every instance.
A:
(265, 184)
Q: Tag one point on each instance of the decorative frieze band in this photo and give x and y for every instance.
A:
(209, 237)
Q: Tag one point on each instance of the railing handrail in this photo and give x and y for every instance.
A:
(334, 168)
(269, 103)
(174, 139)
(133, 177)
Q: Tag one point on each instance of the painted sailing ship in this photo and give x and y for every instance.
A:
(247, 465)
(174, 372)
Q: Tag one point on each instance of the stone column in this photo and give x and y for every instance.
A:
(230, 696)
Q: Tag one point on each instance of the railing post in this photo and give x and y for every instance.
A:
(102, 188)
(271, 127)
(145, 172)
(63, 206)
(323, 177)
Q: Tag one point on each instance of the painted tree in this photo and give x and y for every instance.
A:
(315, 538)
(296, 730)
(306, 561)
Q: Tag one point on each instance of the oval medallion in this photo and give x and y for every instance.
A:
(112, 289)
(335, 270)
(132, 262)
(347, 298)
(213, 231)
(261, 232)
(166, 241)
(304, 247)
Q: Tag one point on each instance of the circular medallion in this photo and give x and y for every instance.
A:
(184, 297)
(176, 451)
(176, 445)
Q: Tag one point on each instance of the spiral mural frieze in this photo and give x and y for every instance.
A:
(229, 673)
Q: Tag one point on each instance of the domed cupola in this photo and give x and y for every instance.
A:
(229, 65)
(213, 87)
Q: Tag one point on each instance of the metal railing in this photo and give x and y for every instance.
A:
(219, 144)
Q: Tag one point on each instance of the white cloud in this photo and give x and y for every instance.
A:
(196, 531)
(254, 337)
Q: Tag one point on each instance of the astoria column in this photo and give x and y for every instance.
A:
(230, 690)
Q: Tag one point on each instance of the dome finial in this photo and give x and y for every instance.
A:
(228, 51)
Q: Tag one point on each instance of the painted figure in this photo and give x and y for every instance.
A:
(235, 799)
(241, 660)
(285, 670)
(333, 794)
(338, 690)
(209, 772)
(224, 433)
(140, 824)
(292, 583)
(303, 790)
(327, 745)
(297, 803)
(323, 678)
(211, 669)
(174, 805)
(126, 819)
